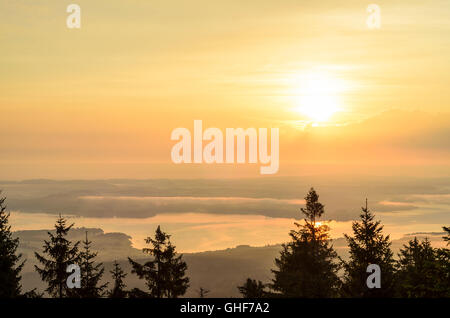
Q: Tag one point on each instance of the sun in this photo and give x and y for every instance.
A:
(317, 95)
(319, 108)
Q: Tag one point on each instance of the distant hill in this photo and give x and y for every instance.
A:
(218, 271)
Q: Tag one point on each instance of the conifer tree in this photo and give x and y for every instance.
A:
(10, 263)
(253, 289)
(307, 265)
(118, 290)
(165, 273)
(91, 273)
(368, 246)
(422, 272)
(60, 254)
(447, 237)
(443, 256)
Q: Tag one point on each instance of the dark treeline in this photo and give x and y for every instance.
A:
(307, 267)
(164, 274)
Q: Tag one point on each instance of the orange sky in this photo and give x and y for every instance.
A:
(101, 101)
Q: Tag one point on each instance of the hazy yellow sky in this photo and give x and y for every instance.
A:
(101, 101)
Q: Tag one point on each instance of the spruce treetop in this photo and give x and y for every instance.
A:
(10, 264)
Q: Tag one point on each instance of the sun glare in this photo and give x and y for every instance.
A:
(317, 95)
(318, 107)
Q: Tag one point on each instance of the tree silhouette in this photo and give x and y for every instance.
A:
(422, 272)
(306, 266)
(202, 292)
(443, 255)
(138, 293)
(368, 246)
(91, 273)
(253, 289)
(165, 273)
(447, 237)
(10, 266)
(443, 262)
(118, 290)
(61, 253)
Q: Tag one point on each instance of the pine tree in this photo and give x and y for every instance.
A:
(118, 275)
(443, 256)
(253, 289)
(447, 237)
(165, 273)
(10, 265)
(368, 246)
(91, 273)
(307, 266)
(422, 272)
(61, 253)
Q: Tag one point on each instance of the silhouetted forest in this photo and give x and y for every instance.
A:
(307, 266)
